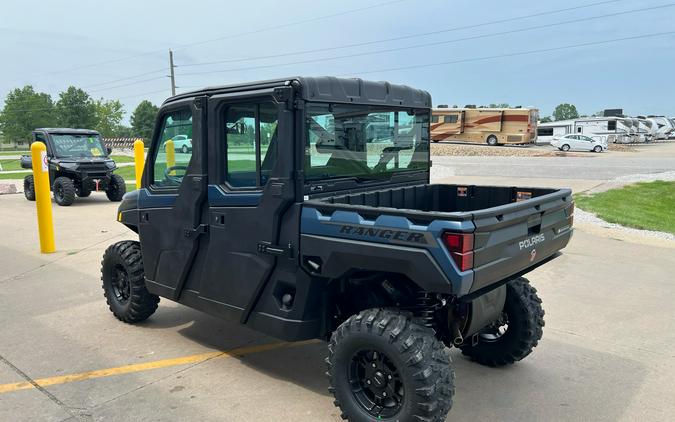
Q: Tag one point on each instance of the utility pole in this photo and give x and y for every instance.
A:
(172, 75)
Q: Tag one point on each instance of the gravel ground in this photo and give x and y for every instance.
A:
(485, 150)
(581, 216)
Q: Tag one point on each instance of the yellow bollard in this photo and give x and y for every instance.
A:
(43, 200)
(170, 155)
(139, 160)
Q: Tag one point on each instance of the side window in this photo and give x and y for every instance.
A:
(611, 125)
(251, 139)
(174, 149)
(579, 129)
(450, 118)
(434, 118)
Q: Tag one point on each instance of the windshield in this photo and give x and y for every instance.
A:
(70, 145)
(365, 142)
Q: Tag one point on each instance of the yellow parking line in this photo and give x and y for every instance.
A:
(139, 367)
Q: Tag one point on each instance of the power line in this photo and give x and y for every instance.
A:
(403, 37)
(519, 53)
(435, 43)
(257, 31)
(151, 72)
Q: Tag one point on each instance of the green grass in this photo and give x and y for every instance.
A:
(649, 206)
(127, 172)
(10, 165)
(13, 176)
(122, 158)
(11, 152)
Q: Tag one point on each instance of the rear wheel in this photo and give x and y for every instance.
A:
(384, 366)
(64, 191)
(116, 188)
(124, 283)
(597, 148)
(184, 149)
(565, 147)
(29, 187)
(516, 333)
(492, 140)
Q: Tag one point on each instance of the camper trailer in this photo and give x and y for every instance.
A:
(664, 127)
(494, 126)
(549, 130)
(619, 130)
(646, 128)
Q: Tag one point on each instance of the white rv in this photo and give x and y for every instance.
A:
(618, 130)
(664, 127)
(648, 127)
(547, 131)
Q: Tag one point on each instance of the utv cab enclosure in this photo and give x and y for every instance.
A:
(78, 162)
(292, 215)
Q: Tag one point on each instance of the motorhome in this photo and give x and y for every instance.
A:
(647, 128)
(494, 126)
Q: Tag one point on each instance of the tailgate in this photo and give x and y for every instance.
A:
(511, 238)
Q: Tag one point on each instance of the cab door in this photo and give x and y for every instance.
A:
(250, 189)
(171, 202)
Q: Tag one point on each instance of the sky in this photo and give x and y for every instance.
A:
(483, 52)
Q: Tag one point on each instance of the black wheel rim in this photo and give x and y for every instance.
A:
(497, 330)
(120, 284)
(58, 192)
(376, 383)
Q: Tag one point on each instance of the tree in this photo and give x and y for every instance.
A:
(76, 109)
(546, 119)
(143, 119)
(24, 111)
(565, 111)
(109, 115)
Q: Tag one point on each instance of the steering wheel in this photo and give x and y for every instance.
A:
(173, 178)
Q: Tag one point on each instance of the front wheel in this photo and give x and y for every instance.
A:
(382, 365)
(184, 149)
(116, 188)
(565, 148)
(516, 333)
(64, 191)
(124, 283)
(29, 187)
(597, 148)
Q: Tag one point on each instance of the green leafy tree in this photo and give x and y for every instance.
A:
(565, 111)
(143, 119)
(546, 119)
(24, 111)
(109, 115)
(76, 109)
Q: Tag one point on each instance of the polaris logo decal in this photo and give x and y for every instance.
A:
(393, 235)
(532, 241)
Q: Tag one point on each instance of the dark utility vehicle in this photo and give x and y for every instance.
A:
(287, 217)
(78, 164)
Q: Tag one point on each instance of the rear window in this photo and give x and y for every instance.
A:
(364, 142)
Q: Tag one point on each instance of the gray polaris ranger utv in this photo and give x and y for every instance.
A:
(78, 164)
(297, 214)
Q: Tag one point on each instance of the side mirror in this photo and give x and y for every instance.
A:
(109, 150)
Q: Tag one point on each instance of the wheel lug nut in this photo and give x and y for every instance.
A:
(374, 366)
(368, 382)
(389, 376)
(384, 394)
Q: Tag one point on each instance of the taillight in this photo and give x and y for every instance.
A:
(460, 246)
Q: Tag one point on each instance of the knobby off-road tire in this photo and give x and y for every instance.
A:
(384, 352)
(124, 284)
(29, 188)
(83, 192)
(64, 191)
(116, 188)
(525, 318)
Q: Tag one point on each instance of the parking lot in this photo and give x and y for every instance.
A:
(607, 352)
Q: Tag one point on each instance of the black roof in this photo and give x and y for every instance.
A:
(331, 89)
(65, 130)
